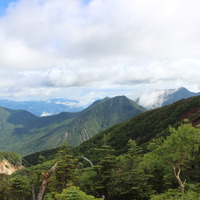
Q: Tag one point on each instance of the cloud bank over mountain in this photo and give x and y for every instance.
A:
(84, 48)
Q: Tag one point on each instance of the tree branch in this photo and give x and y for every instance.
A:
(91, 164)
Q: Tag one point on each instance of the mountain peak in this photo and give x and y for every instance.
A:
(182, 89)
(160, 98)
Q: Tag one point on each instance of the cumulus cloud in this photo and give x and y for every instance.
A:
(49, 46)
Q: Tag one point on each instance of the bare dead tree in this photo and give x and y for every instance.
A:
(46, 177)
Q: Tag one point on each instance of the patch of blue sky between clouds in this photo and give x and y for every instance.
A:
(4, 5)
(86, 1)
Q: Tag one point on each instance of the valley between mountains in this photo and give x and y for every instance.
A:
(25, 133)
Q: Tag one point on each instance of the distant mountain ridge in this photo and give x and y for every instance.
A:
(149, 100)
(25, 133)
(43, 108)
(181, 93)
(159, 98)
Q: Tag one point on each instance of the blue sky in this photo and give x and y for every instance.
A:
(85, 50)
(3, 5)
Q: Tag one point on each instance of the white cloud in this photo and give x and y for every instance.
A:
(151, 99)
(147, 29)
(48, 46)
(44, 114)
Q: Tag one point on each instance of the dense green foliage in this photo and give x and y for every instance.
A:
(181, 146)
(177, 195)
(129, 176)
(24, 133)
(34, 159)
(74, 193)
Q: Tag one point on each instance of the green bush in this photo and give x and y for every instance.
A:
(175, 195)
(74, 193)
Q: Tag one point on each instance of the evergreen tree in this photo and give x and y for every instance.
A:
(20, 187)
(66, 168)
(5, 186)
(104, 169)
(128, 180)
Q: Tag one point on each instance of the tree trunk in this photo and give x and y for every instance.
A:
(177, 171)
(33, 192)
(46, 177)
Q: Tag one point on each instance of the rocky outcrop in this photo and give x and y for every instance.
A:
(7, 168)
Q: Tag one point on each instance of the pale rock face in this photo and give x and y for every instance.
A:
(7, 168)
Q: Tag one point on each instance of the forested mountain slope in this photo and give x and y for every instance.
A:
(25, 133)
(144, 127)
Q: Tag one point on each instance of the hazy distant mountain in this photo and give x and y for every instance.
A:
(50, 107)
(181, 93)
(159, 98)
(25, 133)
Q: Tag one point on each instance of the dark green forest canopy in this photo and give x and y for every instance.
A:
(130, 176)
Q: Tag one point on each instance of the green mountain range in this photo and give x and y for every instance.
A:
(25, 133)
(144, 127)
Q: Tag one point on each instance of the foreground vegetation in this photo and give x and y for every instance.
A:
(170, 169)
